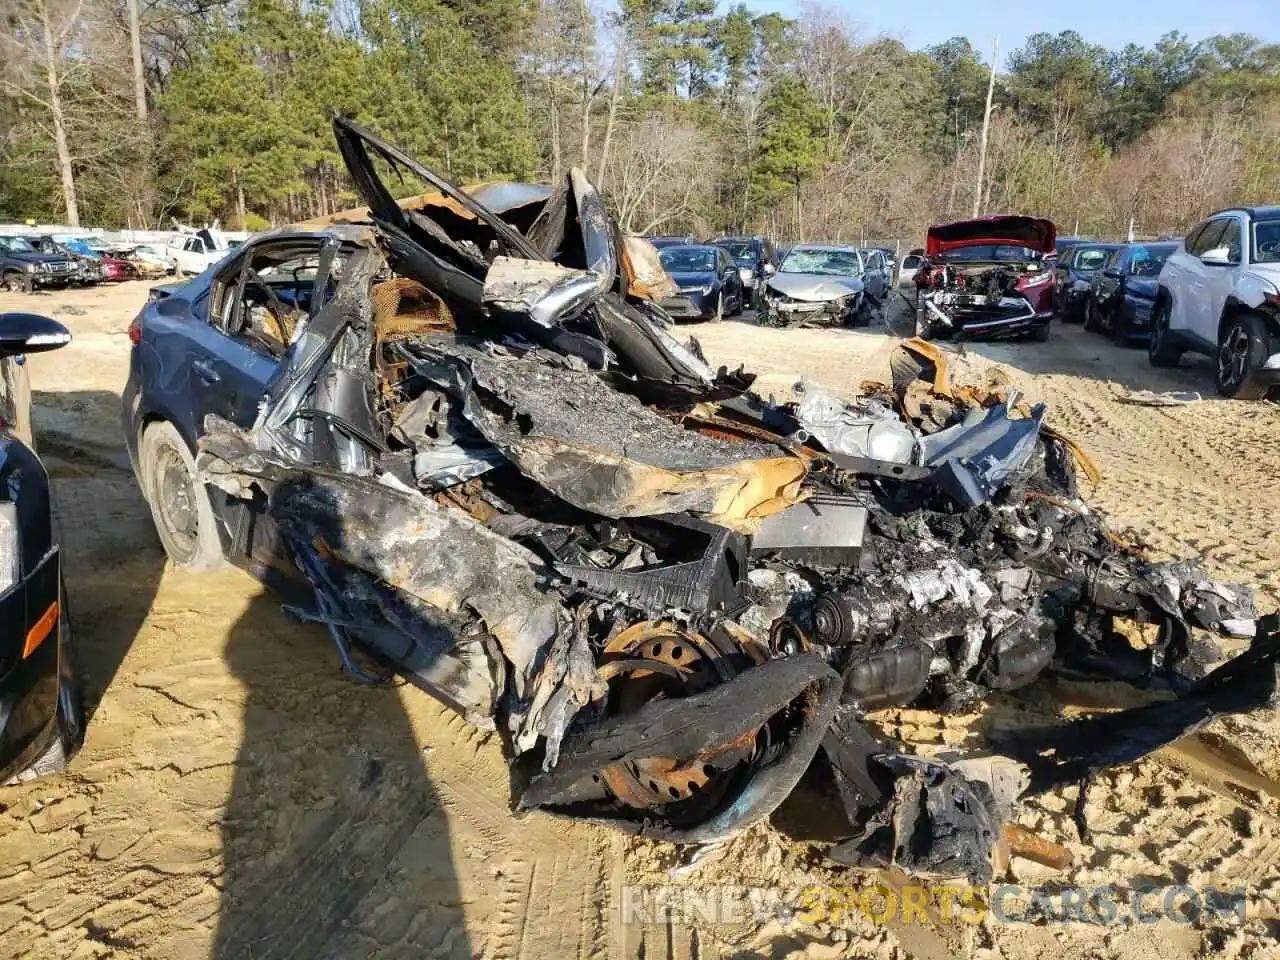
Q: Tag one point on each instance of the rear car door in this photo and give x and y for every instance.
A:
(873, 274)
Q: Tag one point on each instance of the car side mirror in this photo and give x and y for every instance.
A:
(1217, 257)
(1112, 272)
(30, 333)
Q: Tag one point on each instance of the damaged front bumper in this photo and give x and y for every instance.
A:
(977, 317)
(668, 594)
(778, 310)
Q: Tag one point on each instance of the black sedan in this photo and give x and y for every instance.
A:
(710, 284)
(756, 258)
(41, 714)
(1123, 293)
(1075, 271)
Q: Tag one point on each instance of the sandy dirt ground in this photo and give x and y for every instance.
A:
(237, 798)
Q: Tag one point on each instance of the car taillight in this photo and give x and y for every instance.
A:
(135, 330)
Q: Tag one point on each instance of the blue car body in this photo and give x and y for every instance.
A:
(1122, 295)
(185, 365)
(706, 292)
(1075, 269)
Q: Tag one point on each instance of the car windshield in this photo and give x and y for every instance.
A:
(1266, 241)
(823, 263)
(741, 251)
(1089, 259)
(1146, 261)
(688, 260)
(995, 252)
(16, 245)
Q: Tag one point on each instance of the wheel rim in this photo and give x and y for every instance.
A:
(1233, 357)
(175, 500)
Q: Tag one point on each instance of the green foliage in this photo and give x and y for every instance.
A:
(722, 117)
(962, 78)
(792, 147)
(436, 94)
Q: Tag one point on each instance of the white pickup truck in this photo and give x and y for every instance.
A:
(1220, 295)
(196, 252)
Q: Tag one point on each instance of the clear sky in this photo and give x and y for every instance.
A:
(1108, 23)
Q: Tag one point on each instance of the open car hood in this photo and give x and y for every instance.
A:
(1034, 232)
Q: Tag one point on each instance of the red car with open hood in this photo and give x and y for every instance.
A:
(986, 278)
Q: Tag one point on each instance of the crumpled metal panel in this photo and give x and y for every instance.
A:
(545, 292)
(646, 277)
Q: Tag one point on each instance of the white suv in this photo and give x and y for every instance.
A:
(1220, 295)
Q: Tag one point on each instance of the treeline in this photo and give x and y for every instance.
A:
(692, 117)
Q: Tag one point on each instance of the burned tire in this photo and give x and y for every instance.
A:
(180, 507)
(1242, 350)
(1161, 350)
(15, 281)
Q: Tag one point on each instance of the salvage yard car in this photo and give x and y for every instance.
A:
(1220, 295)
(757, 260)
(1122, 295)
(88, 270)
(456, 437)
(194, 253)
(42, 721)
(1074, 271)
(987, 279)
(711, 286)
(24, 268)
(818, 284)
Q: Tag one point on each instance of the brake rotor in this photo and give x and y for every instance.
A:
(653, 660)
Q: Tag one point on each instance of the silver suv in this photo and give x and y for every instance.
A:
(1220, 295)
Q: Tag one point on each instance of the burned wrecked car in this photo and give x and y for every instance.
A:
(987, 279)
(477, 460)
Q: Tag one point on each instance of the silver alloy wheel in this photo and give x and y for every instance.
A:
(1233, 356)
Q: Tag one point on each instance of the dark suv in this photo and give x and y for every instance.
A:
(23, 267)
(757, 260)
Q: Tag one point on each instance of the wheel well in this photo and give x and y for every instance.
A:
(1234, 308)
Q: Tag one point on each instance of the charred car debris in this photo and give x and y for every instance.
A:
(987, 279)
(669, 596)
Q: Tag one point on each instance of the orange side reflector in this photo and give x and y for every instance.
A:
(41, 629)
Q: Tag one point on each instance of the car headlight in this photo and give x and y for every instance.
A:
(10, 555)
(708, 288)
(32, 267)
(746, 273)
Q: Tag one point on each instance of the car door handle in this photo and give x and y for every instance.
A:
(204, 370)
